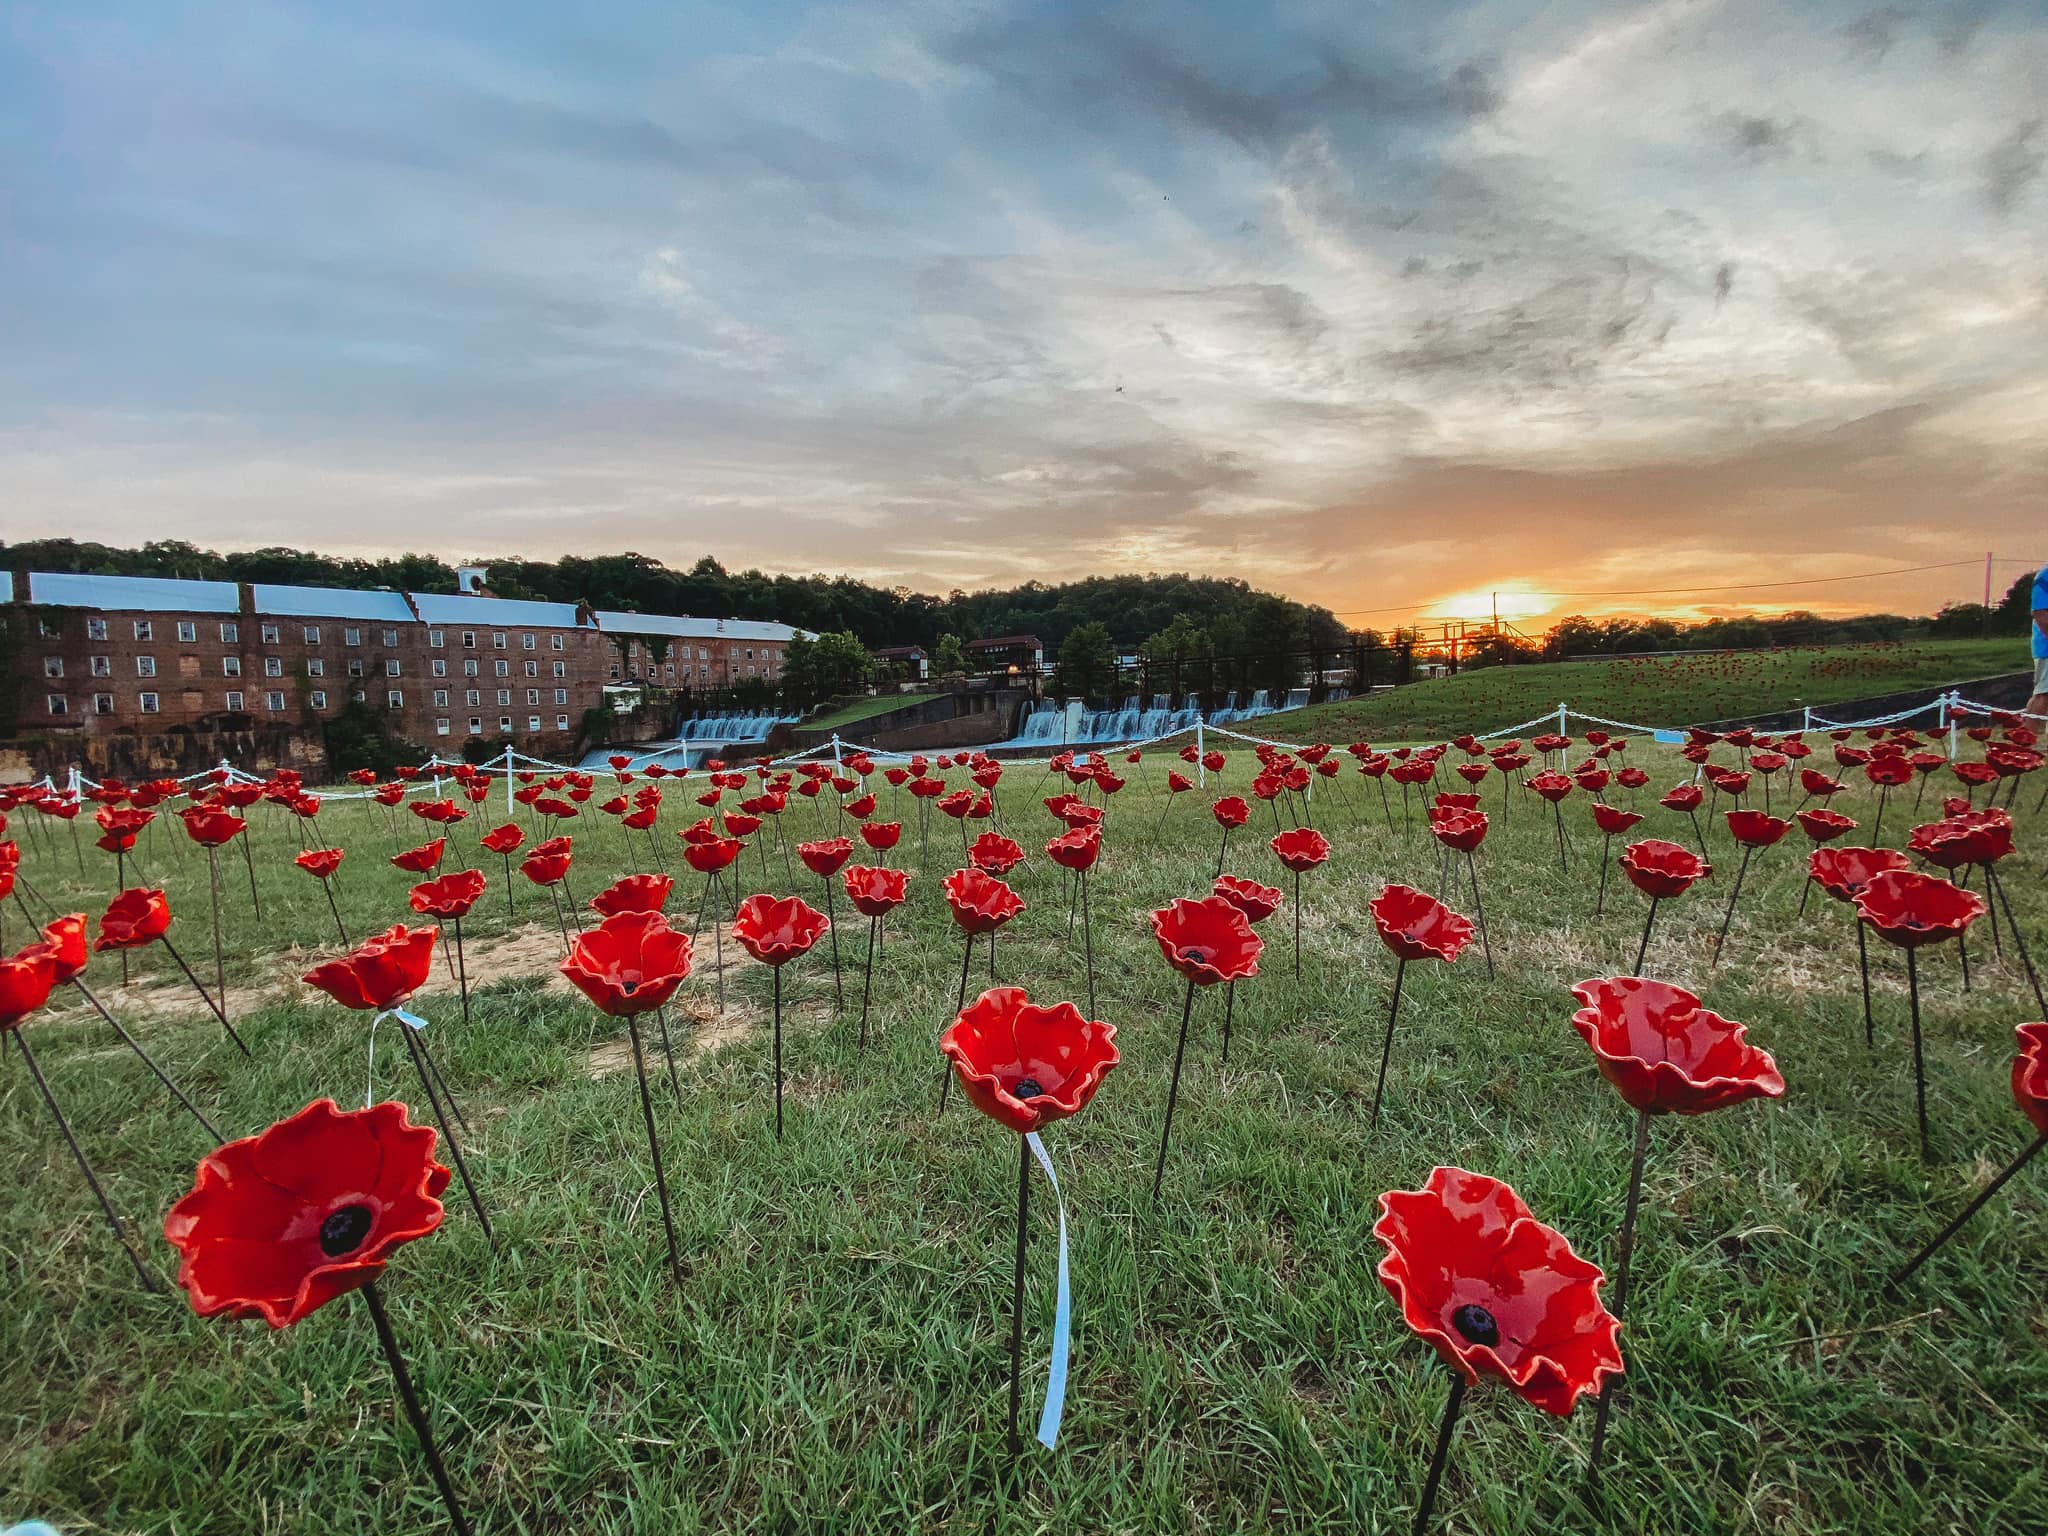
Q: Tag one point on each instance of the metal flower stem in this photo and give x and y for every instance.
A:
(120, 885)
(1643, 948)
(1221, 851)
(1863, 965)
(1962, 1218)
(1557, 810)
(1959, 879)
(1479, 912)
(1387, 1046)
(867, 986)
(1877, 832)
(1442, 1454)
(2019, 939)
(219, 1012)
(1919, 1056)
(1229, 1006)
(1805, 890)
(508, 887)
(1606, 858)
(461, 971)
(1624, 1252)
(1173, 1088)
(220, 965)
(669, 1051)
(1698, 835)
(161, 1075)
(945, 1066)
(148, 1276)
(1297, 925)
(777, 983)
(1386, 804)
(341, 933)
(1733, 896)
(832, 923)
(426, 1077)
(414, 1413)
(1017, 1295)
(249, 863)
(668, 1225)
(1087, 944)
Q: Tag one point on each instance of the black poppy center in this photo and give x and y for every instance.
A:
(344, 1231)
(1027, 1088)
(1477, 1325)
(1194, 954)
(629, 986)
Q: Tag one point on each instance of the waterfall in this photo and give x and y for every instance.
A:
(1049, 726)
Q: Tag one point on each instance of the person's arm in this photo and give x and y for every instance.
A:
(2041, 621)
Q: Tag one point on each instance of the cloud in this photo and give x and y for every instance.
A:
(2012, 165)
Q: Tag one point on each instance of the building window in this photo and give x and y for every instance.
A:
(533, 669)
(145, 666)
(230, 634)
(231, 666)
(498, 643)
(95, 629)
(355, 666)
(526, 644)
(502, 668)
(187, 630)
(394, 700)
(615, 672)
(533, 722)
(49, 629)
(437, 638)
(319, 699)
(561, 722)
(469, 667)
(533, 697)
(144, 630)
(555, 642)
(439, 666)
(476, 726)
(273, 701)
(315, 667)
(473, 697)
(270, 634)
(440, 698)
(561, 669)
(391, 668)
(312, 633)
(352, 636)
(234, 697)
(505, 723)
(391, 637)
(103, 703)
(441, 725)
(504, 697)
(57, 704)
(561, 695)
(273, 666)
(147, 702)
(53, 666)
(101, 666)
(469, 640)
(358, 695)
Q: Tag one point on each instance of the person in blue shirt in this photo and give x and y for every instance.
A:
(2038, 704)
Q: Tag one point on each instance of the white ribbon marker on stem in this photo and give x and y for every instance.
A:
(1063, 1313)
(410, 1020)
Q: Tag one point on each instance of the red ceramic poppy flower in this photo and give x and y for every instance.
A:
(1301, 848)
(2030, 1075)
(1843, 872)
(630, 963)
(1753, 829)
(1230, 811)
(381, 972)
(279, 1224)
(1888, 771)
(707, 858)
(505, 839)
(64, 945)
(1416, 926)
(1257, 902)
(1685, 797)
(133, 919)
(995, 854)
(1612, 819)
(319, 862)
(1550, 784)
(1824, 825)
(634, 893)
(1077, 848)
(1496, 1292)
(981, 903)
(874, 891)
(1661, 869)
(827, 857)
(777, 930)
(1025, 1066)
(441, 812)
(1207, 941)
(1667, 1054)
(1910, 909)
(451, 896)
(545, 868)
(1975, 837)
(25, 982)
(208, 827)
(1460, 829)
(421, 860)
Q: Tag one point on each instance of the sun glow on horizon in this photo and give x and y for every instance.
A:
(1515, 604)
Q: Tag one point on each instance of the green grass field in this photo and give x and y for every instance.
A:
(837, 1360)
(1656, 691)
(863, 709)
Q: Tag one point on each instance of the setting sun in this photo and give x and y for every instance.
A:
(1514, 605)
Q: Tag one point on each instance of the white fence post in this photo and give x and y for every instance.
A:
(836, 761)
(1201, 773)
(1948, 709)
(1805, 718)
(1560, 717)
(508, 781)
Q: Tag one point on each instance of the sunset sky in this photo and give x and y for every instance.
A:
(1386, 306)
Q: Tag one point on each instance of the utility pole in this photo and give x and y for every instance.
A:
(1984, 630)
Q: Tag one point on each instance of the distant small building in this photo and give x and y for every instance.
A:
(1022, 654)
(913, 661)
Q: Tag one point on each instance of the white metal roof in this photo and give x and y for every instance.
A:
(694, 629)
(493, 612)
(140, 594)
(330, 603)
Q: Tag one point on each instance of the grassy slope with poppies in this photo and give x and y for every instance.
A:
(838, 1357)
(1654, 691)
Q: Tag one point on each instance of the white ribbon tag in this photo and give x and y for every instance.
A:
(410, 1020)
(1063, 1313)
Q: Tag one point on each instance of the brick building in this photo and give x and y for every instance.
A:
(94, 655)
